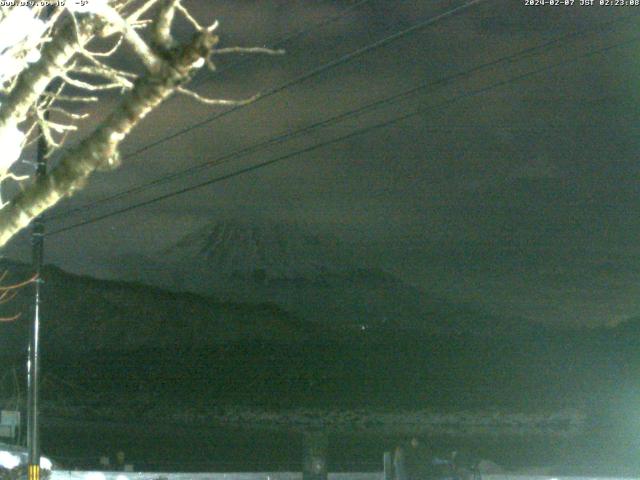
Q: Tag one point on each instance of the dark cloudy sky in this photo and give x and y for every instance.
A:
(524, 198)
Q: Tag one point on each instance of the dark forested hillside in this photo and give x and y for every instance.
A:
(107, 336)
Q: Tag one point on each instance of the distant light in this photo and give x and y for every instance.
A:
(8, 460)
(45, 463)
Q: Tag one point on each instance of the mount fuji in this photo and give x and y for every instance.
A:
(230, 248)
(310, 275)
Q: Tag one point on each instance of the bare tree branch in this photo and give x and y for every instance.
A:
(14, 177)
(104, 71)
(137, 43)
(32, 82)
(108, 53)
(162, 26)
(141, 11)
(73, 116)
(189, 17)
(215, 101)
(73, 98)
(169, 67)
(92, 87)
(102, 145)
(8, 293)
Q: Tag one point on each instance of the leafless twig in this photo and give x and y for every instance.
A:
(8, 293)
(215, 101)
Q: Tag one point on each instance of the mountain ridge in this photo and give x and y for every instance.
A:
(310, 275)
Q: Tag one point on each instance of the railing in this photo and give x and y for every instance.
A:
(78, 475)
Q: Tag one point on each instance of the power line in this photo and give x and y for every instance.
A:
(280, 42)
(293, 36)
(285, 136)
(313, 73)
(348, 136)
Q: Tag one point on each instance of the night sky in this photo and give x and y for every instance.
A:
(522, 198)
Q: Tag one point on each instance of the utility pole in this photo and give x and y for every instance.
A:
(33, 363)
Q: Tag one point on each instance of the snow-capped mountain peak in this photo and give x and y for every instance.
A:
(276, 250)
